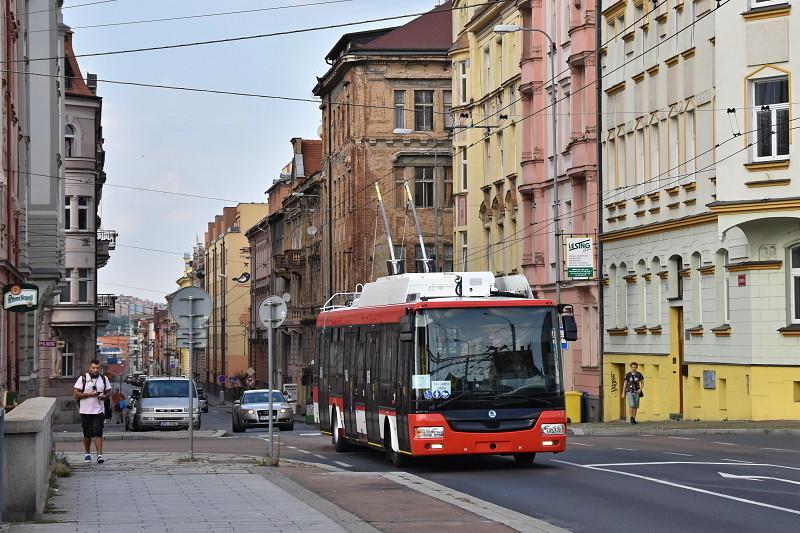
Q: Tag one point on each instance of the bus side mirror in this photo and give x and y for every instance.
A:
(406, 328)
(570, 327)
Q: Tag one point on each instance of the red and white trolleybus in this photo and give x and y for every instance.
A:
(442, 364)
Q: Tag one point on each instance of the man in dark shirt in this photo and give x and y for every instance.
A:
(634, 389)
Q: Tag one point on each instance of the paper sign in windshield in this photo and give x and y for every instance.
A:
(440, 389)
(421, 381)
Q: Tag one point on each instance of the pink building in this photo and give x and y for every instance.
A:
(572, 27)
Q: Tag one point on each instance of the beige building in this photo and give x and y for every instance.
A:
(226, 258)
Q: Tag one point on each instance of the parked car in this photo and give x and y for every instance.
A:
(252, 410)
(130, 409)
(203, 400)
(163, 404)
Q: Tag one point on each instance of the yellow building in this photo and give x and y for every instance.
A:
(486, 162)
(226, 261)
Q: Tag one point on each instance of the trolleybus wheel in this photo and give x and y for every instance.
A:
(338, 442)
(524, 458)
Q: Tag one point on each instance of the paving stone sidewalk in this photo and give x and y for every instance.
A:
(134, 492)
(688, 427)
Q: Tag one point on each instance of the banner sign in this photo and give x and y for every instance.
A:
(20, 298)
(580, 257)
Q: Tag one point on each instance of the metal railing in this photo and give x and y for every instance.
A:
(106, 301)
(109, 236)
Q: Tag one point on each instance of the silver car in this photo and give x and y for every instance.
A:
(164, 404)
(252, 409)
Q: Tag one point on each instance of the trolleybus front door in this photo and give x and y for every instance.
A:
(349, 358)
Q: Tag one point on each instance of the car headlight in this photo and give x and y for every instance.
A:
(429, 432)
(285, 410)
(552, 429)
(250, 411)
(196, 410)
(147, 410)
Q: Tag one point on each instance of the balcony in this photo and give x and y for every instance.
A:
(106, 242)
(101, 316)
(106, 301)
(279, 265)
(295, 259)
(301, 314)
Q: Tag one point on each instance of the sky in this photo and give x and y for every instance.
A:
(221, 146)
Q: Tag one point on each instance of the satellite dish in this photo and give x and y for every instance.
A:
(311, 230)
(286, 297)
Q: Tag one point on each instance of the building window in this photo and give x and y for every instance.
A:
(83, 285)
(501, 146)
(399, 109)
(723, 287)
(464, 250)
(69, 141)
(400, 199)
(447, 264)
(448, 186)
(67, 212)
(423, 186)
(765, 3)
(83, 212)
(771, 118)
(423, 110)
(795, 281)
(655, 288)
(66, 291)
(462, 82)
(697, 289)
(447, 109)
(464, 183)
(487, 70)
(67, 360)
(400, 257)
(430, 254)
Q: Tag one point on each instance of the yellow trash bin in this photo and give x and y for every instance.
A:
(574, 400)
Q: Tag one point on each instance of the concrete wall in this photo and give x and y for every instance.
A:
(26, 468)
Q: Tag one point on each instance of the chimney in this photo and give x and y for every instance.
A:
(91, 82)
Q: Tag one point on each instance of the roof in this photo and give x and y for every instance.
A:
(432, 31)
(76, 86)
(312, 156)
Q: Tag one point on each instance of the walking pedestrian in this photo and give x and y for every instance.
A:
(118, 401)
(634, 389)
(91, 390)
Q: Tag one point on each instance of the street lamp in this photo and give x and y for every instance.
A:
(501, 29)
(409, 131)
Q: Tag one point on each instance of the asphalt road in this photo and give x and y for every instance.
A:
(713, 483)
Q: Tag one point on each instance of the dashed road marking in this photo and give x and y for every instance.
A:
(291, 447)
(681, 454)
(303, 451)
(580, 444)
(317, 434)
(342, 463)
(736, 461)
(724, 443)
(318, 456)
(681, 438)
(646, 435)
(778, 450)
(626, 449)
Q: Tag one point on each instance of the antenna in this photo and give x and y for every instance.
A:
(392, 261)
(410, 200)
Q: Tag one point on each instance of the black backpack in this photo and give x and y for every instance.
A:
(108, 412)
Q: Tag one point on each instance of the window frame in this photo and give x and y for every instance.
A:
(794, 274)
(773, 109)
(462, 82)
(464, 171)
(447, 109)
(67, 358)
(423, 110)
(83, 211)
(399, 109)
(425, 184)
(69, 140)
(84, 281)
(757, 4)
(67, 212)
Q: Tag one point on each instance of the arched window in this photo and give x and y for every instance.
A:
(641, 283)
(69, 141)
(697, 289)
(655, 287)
(723, 287)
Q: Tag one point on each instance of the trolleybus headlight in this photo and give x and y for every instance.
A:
(431, 432)
(552, 429)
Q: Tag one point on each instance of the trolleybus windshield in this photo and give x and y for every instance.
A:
(487, 354)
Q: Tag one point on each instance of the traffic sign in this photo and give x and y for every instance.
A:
(250, 371)
(221, 380)
(272, 312)
(190, 307)
(250, 381)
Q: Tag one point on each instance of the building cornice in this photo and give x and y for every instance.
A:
(659, 227)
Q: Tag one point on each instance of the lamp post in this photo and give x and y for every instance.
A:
(408, 131)
(513, 28)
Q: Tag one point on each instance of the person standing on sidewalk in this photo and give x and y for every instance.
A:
(118, 403)
(634, 389)
(90, 391)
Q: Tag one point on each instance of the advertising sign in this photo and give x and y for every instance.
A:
(580, 257)
(20, 298)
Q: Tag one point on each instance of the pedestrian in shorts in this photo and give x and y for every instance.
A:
(634, 389)
(90, 391)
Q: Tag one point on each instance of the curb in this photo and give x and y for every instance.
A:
(680, 431)
(126, 435)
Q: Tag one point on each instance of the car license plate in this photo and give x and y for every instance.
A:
(168, 424)
(263, 418)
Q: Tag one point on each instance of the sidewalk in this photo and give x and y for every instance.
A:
(135, 492)
(687, 427)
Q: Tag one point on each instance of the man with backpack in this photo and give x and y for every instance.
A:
(91, 391)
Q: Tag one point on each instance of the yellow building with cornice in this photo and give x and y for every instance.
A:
(701, 232)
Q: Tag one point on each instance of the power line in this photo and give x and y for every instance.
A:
(248, 37)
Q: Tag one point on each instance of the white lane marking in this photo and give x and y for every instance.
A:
(318, 456)
(681, 438)
(758, 478)
(626, 449)
(571, 443)
(686, 487)
(710, 463)
(778, 449)
(291, 447)
(737, 461)
(724, 443)
(643, 435)
(681, 454)
(317, 434)
(303, 451)
(342, 463)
